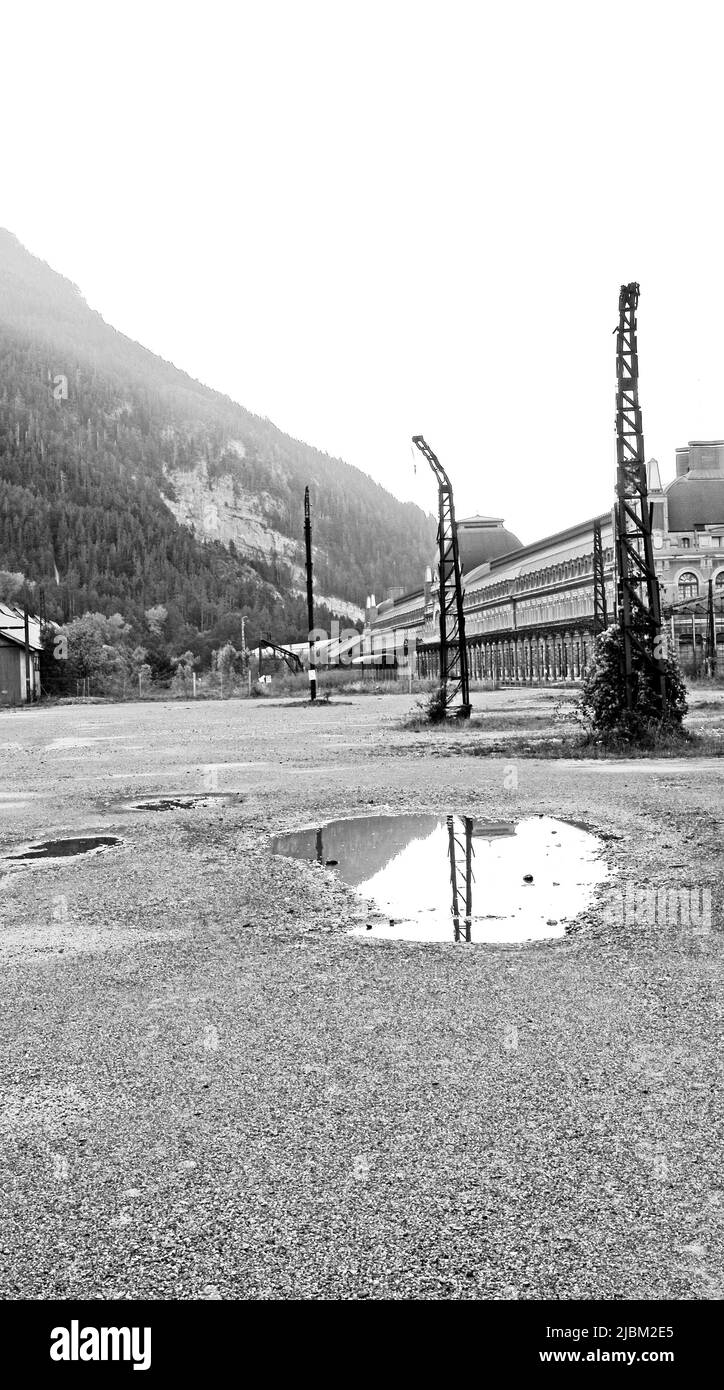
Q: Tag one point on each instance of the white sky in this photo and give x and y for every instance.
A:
(369, 220)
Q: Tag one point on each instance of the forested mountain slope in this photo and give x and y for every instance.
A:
(125, 484)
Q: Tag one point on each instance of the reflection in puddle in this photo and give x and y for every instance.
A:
(435, 878)
(62, 849)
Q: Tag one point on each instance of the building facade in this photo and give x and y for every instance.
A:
(529, 609)
(16, 674)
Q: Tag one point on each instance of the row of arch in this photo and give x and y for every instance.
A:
(521, 660)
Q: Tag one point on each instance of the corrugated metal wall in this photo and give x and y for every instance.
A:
(11, 675)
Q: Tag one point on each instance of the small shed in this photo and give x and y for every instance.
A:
(13, 670)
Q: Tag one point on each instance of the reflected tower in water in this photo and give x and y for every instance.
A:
(414, 872)
(460, 850)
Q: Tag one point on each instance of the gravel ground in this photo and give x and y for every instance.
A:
(209, 1089)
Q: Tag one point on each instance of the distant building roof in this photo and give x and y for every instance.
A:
(696, 496)
(483, 538)
(695, 502)
(12, 626)
(559, 540)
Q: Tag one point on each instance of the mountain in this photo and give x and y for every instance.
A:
(125, 485)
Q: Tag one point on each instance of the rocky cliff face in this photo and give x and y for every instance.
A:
(220, 509)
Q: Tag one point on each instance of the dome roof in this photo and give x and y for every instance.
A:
(483, 538)
(696, 496)
(695, 502)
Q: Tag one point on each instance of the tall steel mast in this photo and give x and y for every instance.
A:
(639, 605)
(600, 609)
(454, 680)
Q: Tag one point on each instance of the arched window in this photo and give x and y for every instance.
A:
(688, 585)
(719, 580)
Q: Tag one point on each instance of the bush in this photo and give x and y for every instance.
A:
(603, 703)
(433, 707)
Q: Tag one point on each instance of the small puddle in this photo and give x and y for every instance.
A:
(63, 849)
(452, 878)
(180, 803)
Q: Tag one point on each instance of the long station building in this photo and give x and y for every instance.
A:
(529, 613)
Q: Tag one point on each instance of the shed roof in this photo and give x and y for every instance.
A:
(12, 626)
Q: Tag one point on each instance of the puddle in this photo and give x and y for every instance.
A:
(180, 802)
(165, 803)
(64, 849)
(438, 878)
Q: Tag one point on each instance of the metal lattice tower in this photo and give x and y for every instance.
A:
(454, 680)
(461, 867)
(710, 630)
(639, 605)
(600, 609)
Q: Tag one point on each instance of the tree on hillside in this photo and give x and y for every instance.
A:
(227, 660)
(97, 648)
(11, 586)
(156, 617)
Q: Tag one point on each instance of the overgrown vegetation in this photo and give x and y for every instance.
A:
(432, 708)
(99, 657)
(604, 715)
(595, 724)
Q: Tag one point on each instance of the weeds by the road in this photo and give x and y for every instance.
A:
(580, 747)
(518, 736)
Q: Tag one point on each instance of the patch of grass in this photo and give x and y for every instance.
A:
(421, 723)
(581, 748)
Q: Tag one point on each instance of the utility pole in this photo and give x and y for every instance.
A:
(310, 596)
(639, 609)
(600, 614)
(26, 626)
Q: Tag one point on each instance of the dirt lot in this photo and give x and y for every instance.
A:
(210, 1089)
